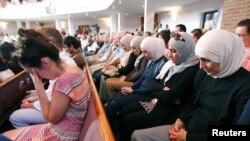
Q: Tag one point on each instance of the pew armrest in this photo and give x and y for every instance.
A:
(13, 134)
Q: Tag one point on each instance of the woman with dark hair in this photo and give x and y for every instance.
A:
(66, 110)
(6, 49)
(165, 35)
(30, 105)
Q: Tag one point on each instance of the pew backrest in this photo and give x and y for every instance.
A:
(12, 91)
(96, 126)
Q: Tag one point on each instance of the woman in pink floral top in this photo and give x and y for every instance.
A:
(66, 111)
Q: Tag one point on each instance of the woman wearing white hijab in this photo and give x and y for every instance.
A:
(221, 91)
(114, 85)
(171, 89)
(153, 49)
(125, 66)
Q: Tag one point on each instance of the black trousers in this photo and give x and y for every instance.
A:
(134, 117)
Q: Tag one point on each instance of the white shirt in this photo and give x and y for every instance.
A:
(6, 74)
(209, 25)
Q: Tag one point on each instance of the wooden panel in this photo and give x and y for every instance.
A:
(12, 91)
(106, 132)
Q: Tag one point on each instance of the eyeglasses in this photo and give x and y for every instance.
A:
(177, 36)
(242, 35)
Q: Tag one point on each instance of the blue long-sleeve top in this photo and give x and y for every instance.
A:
(141, 86)
(245, 116)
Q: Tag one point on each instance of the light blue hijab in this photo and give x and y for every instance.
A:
(185, 47)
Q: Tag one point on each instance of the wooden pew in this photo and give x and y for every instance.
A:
(96, 126)
(12, 91)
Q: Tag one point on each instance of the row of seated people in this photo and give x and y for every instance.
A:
(5, 72)
(65, 107)
(99, 44)
(14, 81)
(154, 51)
(8, 66)
(18, 118)
(221, 61)
(148, 48)
(171, 87)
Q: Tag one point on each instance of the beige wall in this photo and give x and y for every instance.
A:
(234, 11)
(192, 15)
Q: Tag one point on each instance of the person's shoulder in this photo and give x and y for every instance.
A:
(201, 74)
(72, 76)
(79, 55)
(67, 59)
(162, 58)
(133, 55)
(242, 73)
(193, 68)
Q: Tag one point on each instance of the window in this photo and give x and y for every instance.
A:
(210, 20)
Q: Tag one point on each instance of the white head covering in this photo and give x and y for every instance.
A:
(154, 45)
(164, 69)
(185, 48)
(223, 47)
(135, 43)
(127, 39)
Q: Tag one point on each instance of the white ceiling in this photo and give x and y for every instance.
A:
(131, 8)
